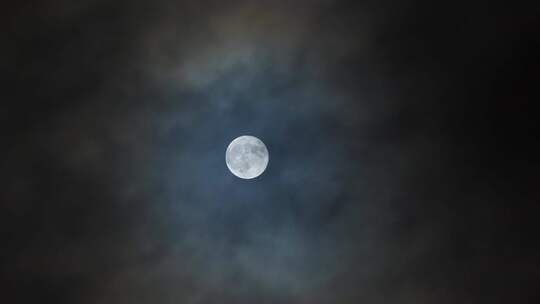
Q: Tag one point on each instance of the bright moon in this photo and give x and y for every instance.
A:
(246, 157)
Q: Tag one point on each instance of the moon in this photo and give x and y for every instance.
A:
(246, 157)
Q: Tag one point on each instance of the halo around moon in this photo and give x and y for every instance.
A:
(246, 157)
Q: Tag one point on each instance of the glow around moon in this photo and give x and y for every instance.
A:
(246, 157)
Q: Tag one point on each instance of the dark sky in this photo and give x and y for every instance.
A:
(403, 160)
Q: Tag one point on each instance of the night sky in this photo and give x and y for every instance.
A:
(402, 137)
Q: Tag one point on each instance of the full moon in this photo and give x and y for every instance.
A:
(246, 157)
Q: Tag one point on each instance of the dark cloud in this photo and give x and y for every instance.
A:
(401, 168)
